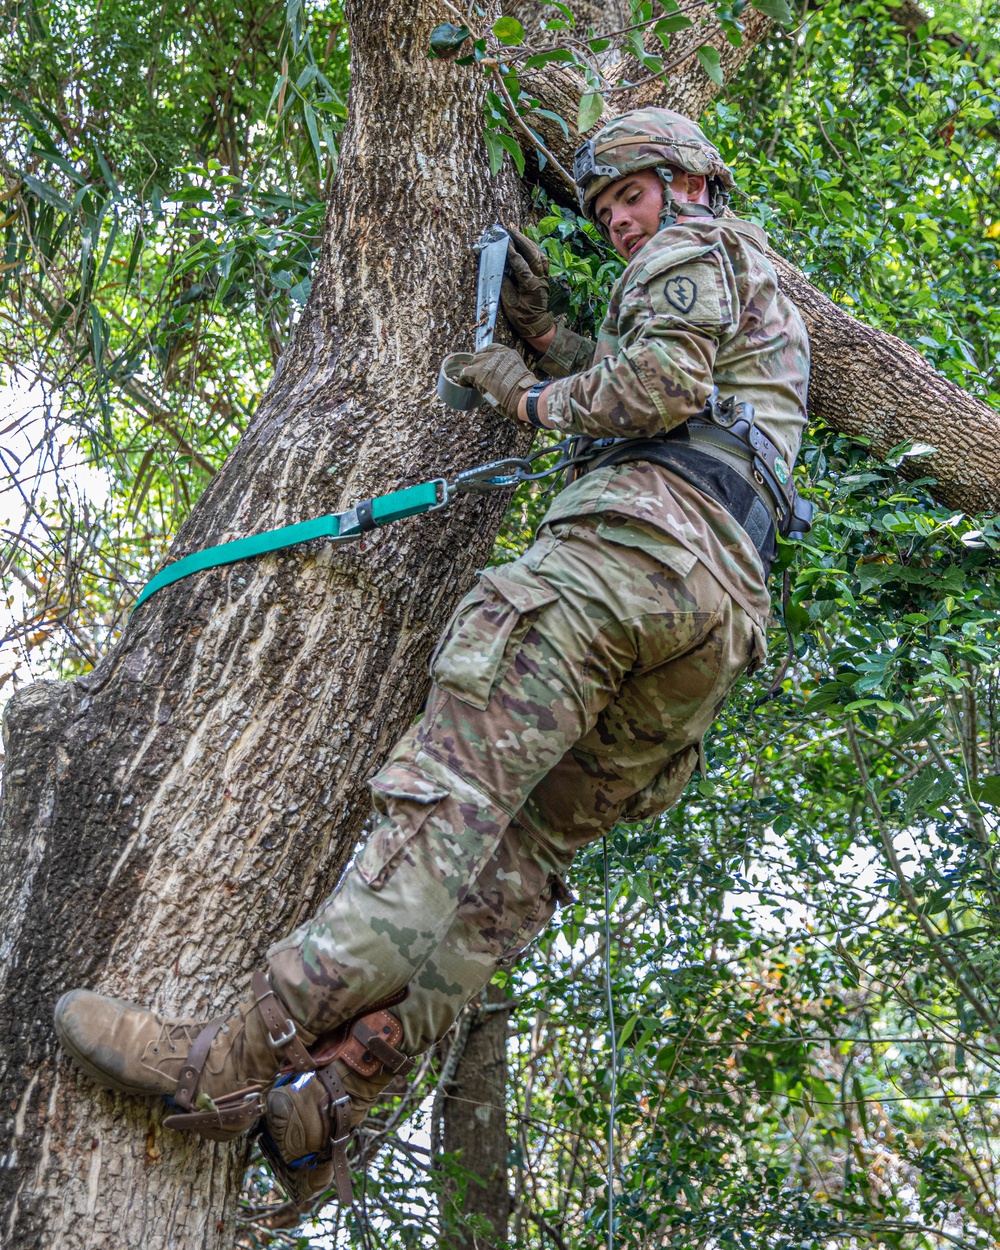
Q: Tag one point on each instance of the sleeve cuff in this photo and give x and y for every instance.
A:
(568, 353)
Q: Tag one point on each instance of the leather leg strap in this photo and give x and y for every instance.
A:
(187, 1083)
(339, 1110)
(232, 1115)
(282, 1034)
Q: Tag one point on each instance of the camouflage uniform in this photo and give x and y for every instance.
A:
(573, 685)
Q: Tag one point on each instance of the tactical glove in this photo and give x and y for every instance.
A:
(525, 290)
(500, 375)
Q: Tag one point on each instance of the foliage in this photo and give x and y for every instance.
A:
(163, 182)
(514, 59)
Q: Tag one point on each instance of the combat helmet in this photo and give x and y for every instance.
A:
(651, 138)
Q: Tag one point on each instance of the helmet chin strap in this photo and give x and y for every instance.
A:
(672, 209)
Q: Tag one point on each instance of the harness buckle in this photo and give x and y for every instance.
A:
(276, 1043)
(445, 492)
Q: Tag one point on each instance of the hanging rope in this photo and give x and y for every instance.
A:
(614, 1049)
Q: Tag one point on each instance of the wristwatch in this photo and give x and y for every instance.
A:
(531, 404)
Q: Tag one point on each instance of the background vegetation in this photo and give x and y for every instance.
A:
(803, 953)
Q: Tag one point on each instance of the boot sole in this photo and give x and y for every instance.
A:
(98, 1075)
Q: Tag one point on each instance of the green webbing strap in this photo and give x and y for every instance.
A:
(409, 502)
(386, 508)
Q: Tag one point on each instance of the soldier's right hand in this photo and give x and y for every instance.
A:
(525, 290)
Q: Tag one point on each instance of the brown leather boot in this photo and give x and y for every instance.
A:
(309, 1118)
(216, 1074)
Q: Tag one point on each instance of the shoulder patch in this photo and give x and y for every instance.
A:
(695, 292)
(681, 292)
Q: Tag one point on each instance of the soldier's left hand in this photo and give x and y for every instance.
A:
(500, 375)
(525, 290)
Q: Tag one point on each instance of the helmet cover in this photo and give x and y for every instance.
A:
(649, 138)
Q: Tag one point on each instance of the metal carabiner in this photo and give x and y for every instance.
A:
(496, 475)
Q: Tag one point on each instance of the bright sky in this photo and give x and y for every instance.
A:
(31, 441)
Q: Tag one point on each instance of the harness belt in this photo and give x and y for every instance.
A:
(750, 479)
(717, 478)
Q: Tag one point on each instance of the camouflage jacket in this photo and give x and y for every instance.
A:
(698, 306)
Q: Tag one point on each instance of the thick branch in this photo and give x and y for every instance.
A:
(870, 384)
(690, 90)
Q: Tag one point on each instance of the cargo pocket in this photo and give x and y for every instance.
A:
(555, 894)
(664, 790)
(405, 797)
(479, 643)
(627, 532)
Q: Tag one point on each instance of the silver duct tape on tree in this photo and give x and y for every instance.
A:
(492, 249)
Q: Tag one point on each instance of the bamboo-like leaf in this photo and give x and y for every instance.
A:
(47, 193)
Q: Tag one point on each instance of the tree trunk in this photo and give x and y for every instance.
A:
(475, 1122)
(174, 811)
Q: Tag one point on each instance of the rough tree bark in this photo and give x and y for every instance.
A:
(169, 814)
(475, 1123)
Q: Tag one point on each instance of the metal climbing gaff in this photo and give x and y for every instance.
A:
(492, 249)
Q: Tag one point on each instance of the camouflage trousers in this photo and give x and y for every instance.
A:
(570, 690)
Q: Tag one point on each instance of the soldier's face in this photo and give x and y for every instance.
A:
(630, 210)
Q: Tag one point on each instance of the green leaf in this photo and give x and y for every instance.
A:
(508, 30)
(543, 58)
(494, 150)
(778, 9)
(627, 1029)
(300, 291)
(987, 790)
(670, 25)
(711, 63)
(553, 117)
(860, 1102)
(138, 239)
(310, 117)
(824, 696)
(107, 174)
(591, 108)
(46, 193)
(514, 148)
(910, 448)
(446, 40)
